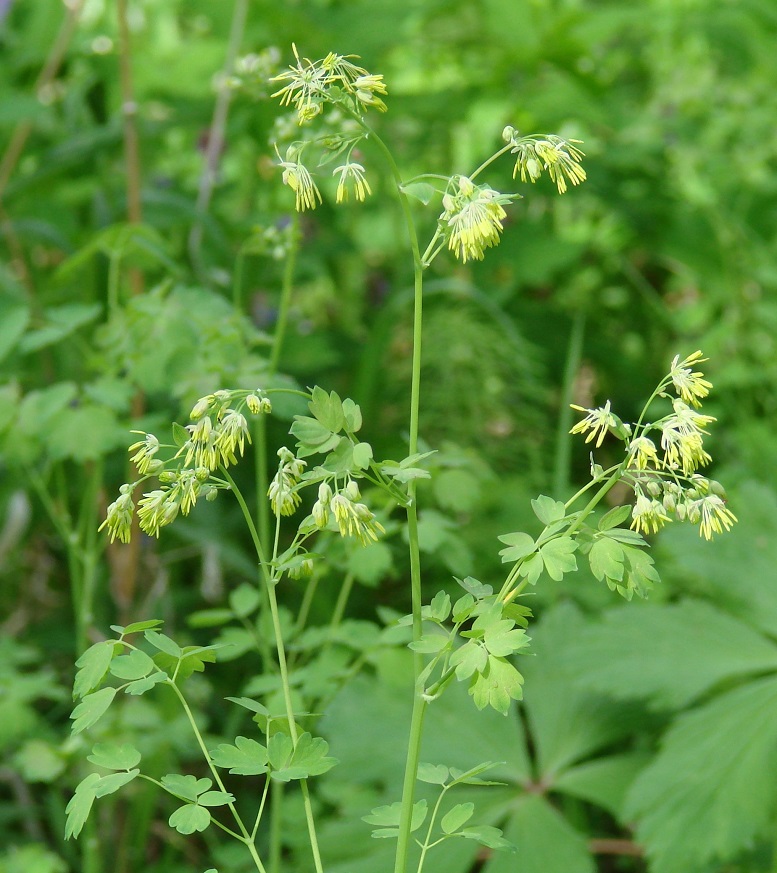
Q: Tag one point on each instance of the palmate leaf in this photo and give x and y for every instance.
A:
(711, 791)
(497, 686)
(114, 757)
(546, 842)
(93, 665)
(668, 655)
(91, 709)
(246, 758)
(190, 819)
(558, 557)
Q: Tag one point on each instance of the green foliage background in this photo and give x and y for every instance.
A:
(647, 741)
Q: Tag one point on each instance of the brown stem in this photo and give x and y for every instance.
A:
(615, 847)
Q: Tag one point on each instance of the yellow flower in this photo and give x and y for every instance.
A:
(297, 176)
(598, 421)
(642, 451)
(354, 174)
(690, 385)
(558, 156)
(648, 515)
(472, 220)
(714, 516)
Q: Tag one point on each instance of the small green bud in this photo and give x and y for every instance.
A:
(168, 476)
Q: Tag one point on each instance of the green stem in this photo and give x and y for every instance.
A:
(245, 836)
(285, 301)
(563, 444)
(276, 825)
(419, 704)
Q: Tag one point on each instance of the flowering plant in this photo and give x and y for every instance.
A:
(354, 496)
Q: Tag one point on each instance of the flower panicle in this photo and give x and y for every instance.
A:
(472, 218)
(559, 157)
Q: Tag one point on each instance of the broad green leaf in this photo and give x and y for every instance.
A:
(470, 658)
(353, 416)
(548, 510)
(617, 515)
(504, 639)
(247, 703)
(210, 617)
(113, 782)
(457, 490)
(474, 587)
(456, 817)
(134, 665)
(91, 708)
(84, 433)
(163, 643)
(532, 568)
(244, 599)
(246, 758)
(607, 558)
(186, 787)
(216, 798)
(180, 434)
(603, 781)
(431, 643)
(61, 321)
(362, 455)
(328, 409)
(192, 660)
(311, 755)
(434, 774)
(558, 557)
(487, 835)
(568, 722)
(388, 816)
(80, 805)
(14, 318)
(140, 686)
(190, 819)
(710, 793)
(114, 757)
(93, 665)
(546, 842)
(422, 191)
(667, 654)
(136, 627)
(312, 436)
(497, 686)
(519, 546)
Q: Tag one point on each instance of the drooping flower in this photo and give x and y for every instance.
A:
(351, 174)
(145, 450)
(648, 514)
(558, 156)
(715, 516)
(598, 421)
(297, 176)
(472, 219)
(690, 385)
(118, 518)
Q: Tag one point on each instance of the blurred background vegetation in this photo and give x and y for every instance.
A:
(132, 283)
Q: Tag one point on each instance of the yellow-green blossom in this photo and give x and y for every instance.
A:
(201, 447)
(690, 385)
(155, 510)
(144, 449)
(648, 515)
(598, 421)
(297, 176)
(472, 219)
(683, 450)
(305, 86)
(642, 451)
(355, 519)
(559, 157)
(715, 516)
(118, 518)
(351, 174)
(283, 494)
(232, 432)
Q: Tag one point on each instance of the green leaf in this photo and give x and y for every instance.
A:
(113, 782)
(180, 434)
(352, 415)
(84, 433)
(163, 643)
(14, 318)
(431, 643)
(388, 816)
(474, 587)
(369, 564)
(114, 757)
(607, 559)
(470, 658)
(503, 639)
(440, 607)
(244, 599)
(558, 557)
(470, 777)
(434, 774)
(487, 836)
(249, 704)
(328, 409)
(61, 322)
(91, 709)
(603, 781)
(422, 191)
(496, 686)
(210, 617)
(140, 686)
(667, 654)
(362, 455)
(726, 753)
(80, 805)
(614, 517)
(93, 665)
(532, 568)
(190, 819)
(312, 436)
(245, 758)
(519, 546)
(456, 817)
(135, 665)
(186, 787)
(546, 842)
(548, 510)
(216, 798)
(137, 626)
